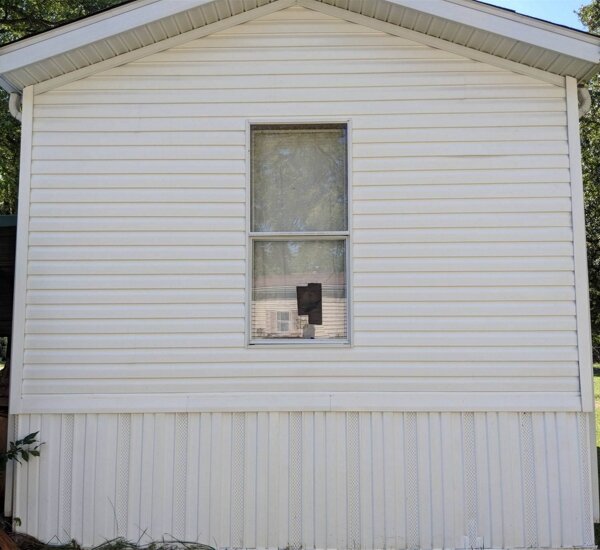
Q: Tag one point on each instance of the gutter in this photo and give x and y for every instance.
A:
(14, 105)
(584, 101)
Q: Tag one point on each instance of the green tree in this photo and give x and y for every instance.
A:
(590, 155)
(18, 19)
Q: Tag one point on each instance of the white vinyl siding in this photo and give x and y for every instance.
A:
(463, 283)
(316, 480)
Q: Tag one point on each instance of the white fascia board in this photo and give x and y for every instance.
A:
(8, 86)
(537, 33)
(89, 30)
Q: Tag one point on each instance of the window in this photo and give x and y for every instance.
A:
(283, 321)
(299, 232)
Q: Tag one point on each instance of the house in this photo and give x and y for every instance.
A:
(303, 274)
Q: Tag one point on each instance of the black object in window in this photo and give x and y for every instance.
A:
(310, 302)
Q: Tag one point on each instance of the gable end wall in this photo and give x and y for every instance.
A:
(454, 418)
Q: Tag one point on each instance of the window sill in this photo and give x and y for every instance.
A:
(298, 343)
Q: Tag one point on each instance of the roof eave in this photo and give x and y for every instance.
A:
(90, 29)
(519, 27)
(579, 50)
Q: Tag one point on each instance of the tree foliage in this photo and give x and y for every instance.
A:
(18, 19)
(590, 153)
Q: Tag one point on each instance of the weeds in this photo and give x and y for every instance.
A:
(22, 449)
(25, 542)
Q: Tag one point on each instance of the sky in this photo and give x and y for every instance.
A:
(556, 11)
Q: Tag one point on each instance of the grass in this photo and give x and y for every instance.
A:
(597, 400)
(597, 403)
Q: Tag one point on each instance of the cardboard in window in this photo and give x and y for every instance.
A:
(310, 302)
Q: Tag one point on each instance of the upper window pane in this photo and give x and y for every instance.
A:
(299, 178)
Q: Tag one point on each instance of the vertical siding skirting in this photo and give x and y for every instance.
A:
(311, 480)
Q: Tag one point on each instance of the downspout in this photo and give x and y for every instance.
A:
(14, 105)
(584, 101)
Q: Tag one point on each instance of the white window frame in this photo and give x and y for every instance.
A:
(253, 236)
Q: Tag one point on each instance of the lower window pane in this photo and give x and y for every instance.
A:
(299, 290)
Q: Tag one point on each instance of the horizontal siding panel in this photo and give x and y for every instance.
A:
(394, 384)
(342, 80)
(444, 177)
(135, 296)
(122, 238)
(463, 265)
(148, 252)
(294, 369)
(452, 135)
(464, 162)
(449, 250)
(133, 181)
(444, 206)
(133, 209)
(138, 195)
(457, 191)
(464, 148)
(452, 120)
(134, 311)
(462, 235)
(523, 354)
(459, 339)
(295, 26)
(469, 309)
(299, 402)
(462, 279)
(191, 166)
(135, 326)
(139, 139)
(404, 178)
(143, 152)
(153, 166)
(293, 67)
(473, 323)
(464, 294)
(310, 94)
(110, 122)
(160, 224)
(134, 341)
(189, 54)
(317, 108)
(139, 267)
(116, 282)
(500, 220)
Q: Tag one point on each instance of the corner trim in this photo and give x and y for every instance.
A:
(21, 255)
(584, 336)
